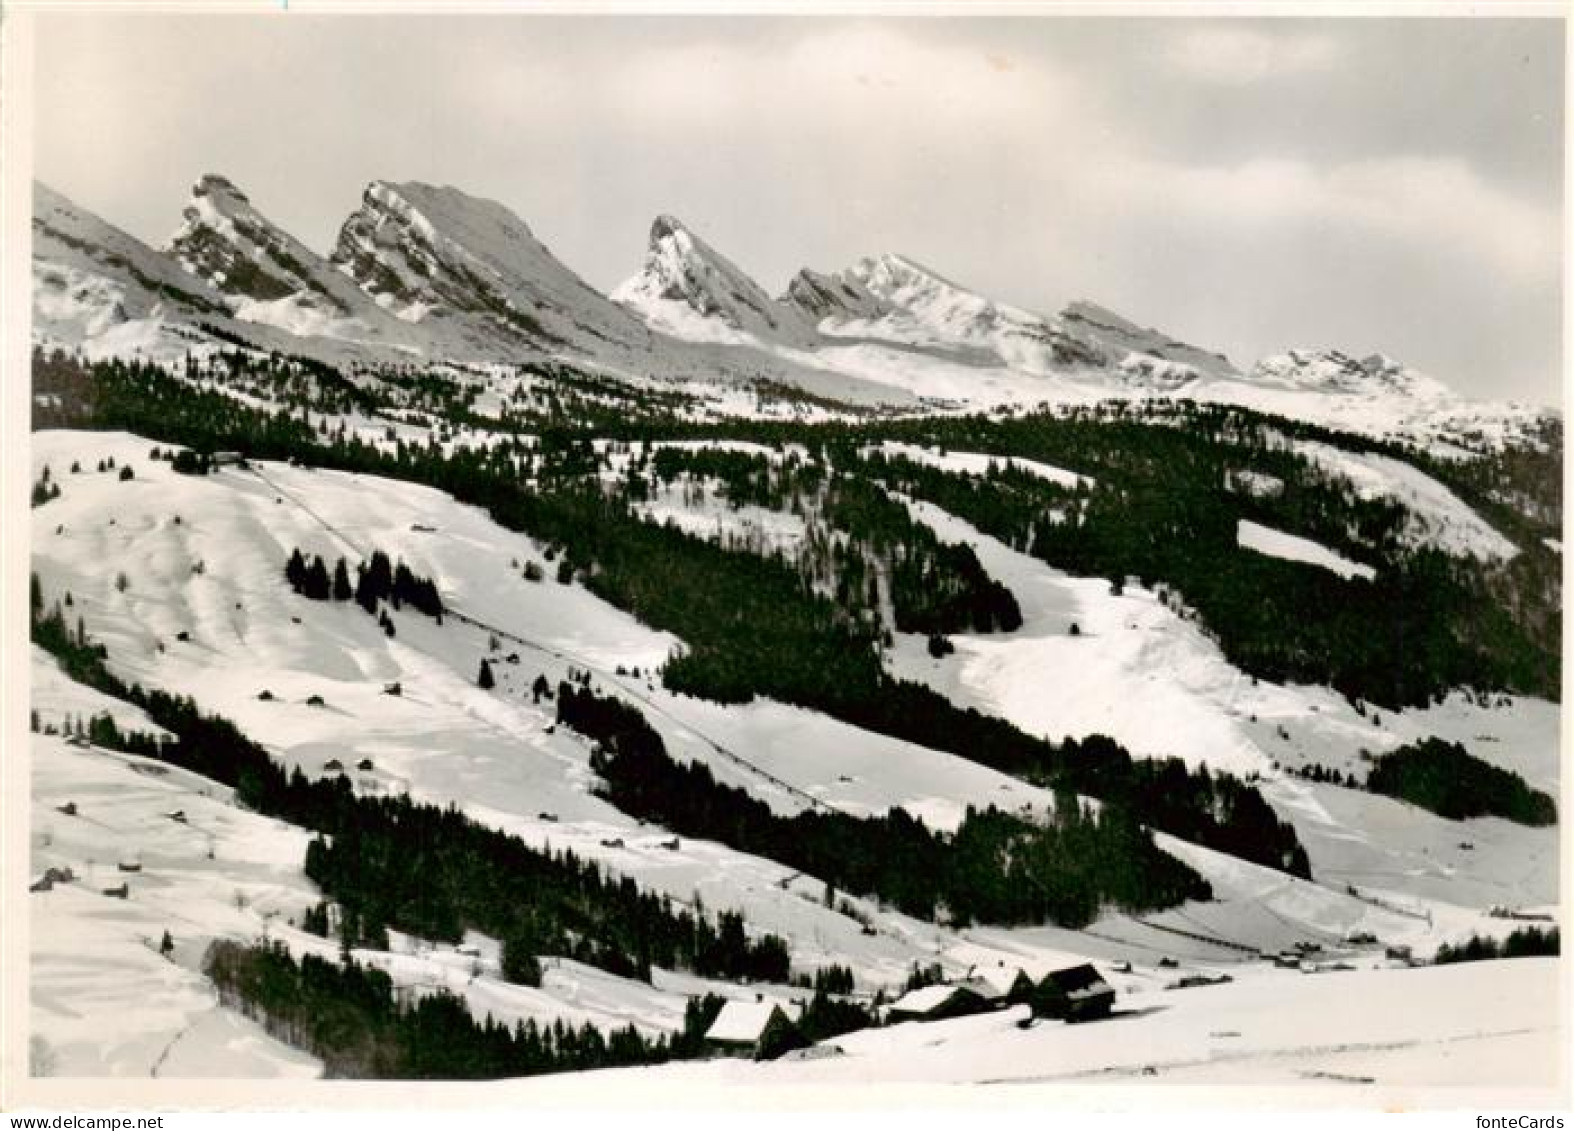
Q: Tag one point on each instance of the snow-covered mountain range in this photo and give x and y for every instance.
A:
(425, 274)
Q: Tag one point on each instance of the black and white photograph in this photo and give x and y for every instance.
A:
(763, 556)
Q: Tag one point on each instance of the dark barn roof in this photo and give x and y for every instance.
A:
(1074, 978)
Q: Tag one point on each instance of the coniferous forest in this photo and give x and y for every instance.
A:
(349, 1016)
(1446, 779)
(1065, 867)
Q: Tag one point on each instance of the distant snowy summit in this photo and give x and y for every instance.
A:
(690, 290)
(420, 274)
(893, 298)
(1329, 371)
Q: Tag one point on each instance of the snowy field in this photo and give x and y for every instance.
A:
(700, 508)
(973, 463)
(1293, 548)
(105, 1001)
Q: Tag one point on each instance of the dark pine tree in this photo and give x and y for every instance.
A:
(316, 584)
(295, 571)
(342, 590)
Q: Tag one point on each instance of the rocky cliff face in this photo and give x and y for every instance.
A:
(424, 252)
(836, 297)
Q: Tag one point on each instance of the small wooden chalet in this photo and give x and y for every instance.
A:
(1000, 985)
(935, 1003)
(1077, 993)
(761, 1029)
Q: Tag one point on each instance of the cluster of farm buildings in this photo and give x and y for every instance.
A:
(1072, 994)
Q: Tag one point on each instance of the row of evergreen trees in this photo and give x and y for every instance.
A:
(349, 1016)
(376, 580)
(1524, 942)
(435, 873)
(997, 868)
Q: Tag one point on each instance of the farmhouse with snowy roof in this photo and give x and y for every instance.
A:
(1000, 984)
(758, 1028)
(935, 1003)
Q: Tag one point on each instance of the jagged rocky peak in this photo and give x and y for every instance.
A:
(687, 287)
(416, 247)
(224, 240)
(951, 313)
(888, 270)
(941, 304)
(665, 227)
(218, 185)
(908, 284)
(425, 251)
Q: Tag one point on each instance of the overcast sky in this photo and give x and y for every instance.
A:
(1373, 185)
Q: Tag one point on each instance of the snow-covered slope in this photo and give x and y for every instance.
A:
(689, 289)
(105, 1000)
(94, 285)
(1436, 516)
(976, 463)
(445, 739)
(203, 556)
(1133, 648)
(1294, 548)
